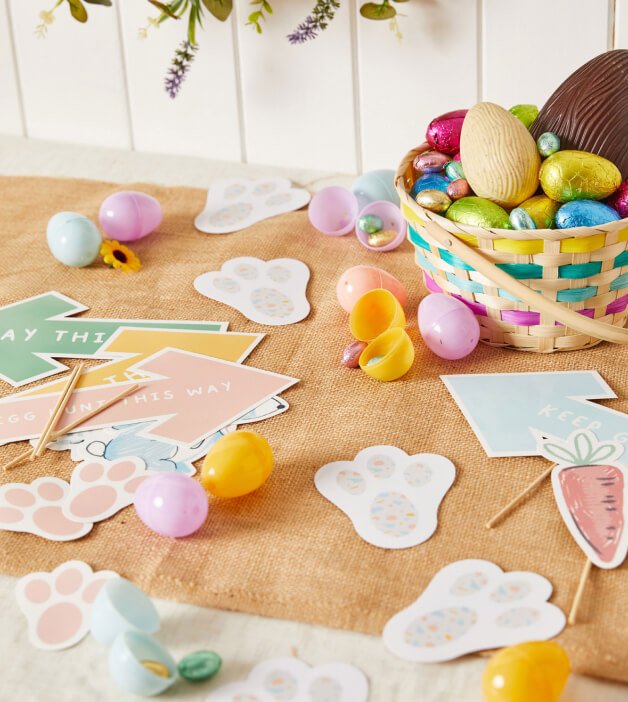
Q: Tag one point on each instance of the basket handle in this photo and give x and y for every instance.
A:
(570, 318)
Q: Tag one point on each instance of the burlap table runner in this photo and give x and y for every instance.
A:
(285, 551)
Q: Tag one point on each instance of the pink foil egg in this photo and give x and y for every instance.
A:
(129, 215)
(357, 281)
(351, 354)
(619, 200)
(458, 188)
(448, 327)
(171, 504)
(443, 133)
(431, 162)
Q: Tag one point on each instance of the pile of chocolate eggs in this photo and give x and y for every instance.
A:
(558, 168)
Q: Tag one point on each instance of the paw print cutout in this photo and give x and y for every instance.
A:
(266, 292)
(37, 508)
(391, 498)
(292, 680)
(100, 488)
(472, 605)
(58, 605)
(237, 203)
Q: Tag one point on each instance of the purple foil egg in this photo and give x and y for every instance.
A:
(443, 133)
(458, 188)
(431, 162)
(351, 355)
(619, 200)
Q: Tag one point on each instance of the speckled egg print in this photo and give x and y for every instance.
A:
(272, 303)
(440, 627)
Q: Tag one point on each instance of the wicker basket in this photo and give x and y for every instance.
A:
(581, 273)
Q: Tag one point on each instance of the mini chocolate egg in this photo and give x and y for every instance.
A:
(525, 113)
(357, 281)
(443, 133)
(351, 355)
(547, 144)
(542, 209)
(129, 215)
(431, 162)
(73, 239)
(382, 238)
(392, 232)
(453, 170)
(520, 219)
(432, 181)
(458, 188)
(578, 175)
(376, 185)
(584, 213)
(619, 200)
(479, 212)
(370, 223)
(448, 327)
(433, 200)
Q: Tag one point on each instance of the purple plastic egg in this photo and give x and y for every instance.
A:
(619, 200)
(448, 327)
(443, 133)
(129, 215)
(431, 162)
(171, 504)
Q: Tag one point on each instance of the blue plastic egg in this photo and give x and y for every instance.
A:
(73, 239)
(432, 181)
(584, 213)
(375, 185)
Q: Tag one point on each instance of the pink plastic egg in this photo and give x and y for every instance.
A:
(171, 504)
(443, 133)
(357, 281)
(448, 327)
(129, 215)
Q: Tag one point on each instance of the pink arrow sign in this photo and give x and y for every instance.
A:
(192, 395)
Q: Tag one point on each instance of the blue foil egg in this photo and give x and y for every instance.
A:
(520, 219)
(73, 239)
(453, 170)
(584, 213)
(375, 185)
(432, 181)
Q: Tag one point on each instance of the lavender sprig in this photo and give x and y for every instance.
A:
(315, 22)
(180, 65)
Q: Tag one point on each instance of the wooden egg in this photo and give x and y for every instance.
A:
(501, 161)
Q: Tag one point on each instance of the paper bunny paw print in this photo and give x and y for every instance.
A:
(266, 292)
(38, 509)
(391, 498)
(100, 488)
(472, 605)
(57, 605)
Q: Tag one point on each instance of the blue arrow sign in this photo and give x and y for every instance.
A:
(504, 409)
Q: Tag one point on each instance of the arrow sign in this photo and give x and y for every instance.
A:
(35, 331)
(504, 409)
(191, 395)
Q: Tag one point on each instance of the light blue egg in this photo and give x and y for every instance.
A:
(548, 143)
(73, 239)
(453, 170)
(584, 213)
(431, 181)
(375, 185)
(520, 219)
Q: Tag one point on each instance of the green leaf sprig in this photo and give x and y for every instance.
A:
(257, 16)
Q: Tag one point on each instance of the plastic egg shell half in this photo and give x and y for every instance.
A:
(333, 211)
(129, 215)
(357, 281)
(73, 239)
(375, 185)
(448, 327)
(392, 221)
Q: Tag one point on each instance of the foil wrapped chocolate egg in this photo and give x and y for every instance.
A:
(431, 181)
(520, 219)
(443, 133)
(458, 188)
(370, 223)
(479, 212)
(619, 200)
(351, 354)
(584, 213)
(382, 238)
(433, 200)
(542, 209)
(578, 175)
(525, 113)
(431, 162)
(453, 170)
(548, 143)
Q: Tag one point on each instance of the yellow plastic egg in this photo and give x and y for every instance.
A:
(530, 672)
(237, 464)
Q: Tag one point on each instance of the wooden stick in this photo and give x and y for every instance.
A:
(77, 422)
(519, 498)
(573, 613)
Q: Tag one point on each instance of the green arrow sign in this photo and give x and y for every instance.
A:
(35, 331)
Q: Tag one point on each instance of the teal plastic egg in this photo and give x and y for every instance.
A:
(73, 239)
(375, 185)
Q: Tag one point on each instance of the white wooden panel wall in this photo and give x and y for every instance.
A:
(354, 99)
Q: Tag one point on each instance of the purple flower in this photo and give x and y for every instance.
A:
(316, 22)
(180, 65)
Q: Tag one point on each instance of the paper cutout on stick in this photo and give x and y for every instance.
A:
(236, 203)
(591, 491)
(292, 680)
(266, 292)
(57, 605)
(391, 498)
(472, 605)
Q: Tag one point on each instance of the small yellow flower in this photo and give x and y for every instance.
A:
(116, 255)
(46, 16)
(142, 33)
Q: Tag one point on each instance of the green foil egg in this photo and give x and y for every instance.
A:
(479, 212)
(454, 171)
(548, 143)
(525, 113)
(578, 175)
(542, 209)
(370, 224)
(200, 665)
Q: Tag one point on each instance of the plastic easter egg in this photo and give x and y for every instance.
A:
(525, 113)
(458, 188)
(542, 209)
(619, 200)
(548, 143)
(333, 211)
(443, 133)
(129, 215)
(351, 354)
(578, 175)
(389, 356)
(529, 672)
(73, 239)
(200, 665)
(584, 213)
(431, 162)
(431, 181)
(520, 219)
(357, 281)
(171, 504)
(375, 185)
(454, 171)
(374, 313)
(392, 232)
(433, 200)
(448, 327)
(479, 212)
(237, 464)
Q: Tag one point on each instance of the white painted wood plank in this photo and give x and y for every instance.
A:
(203, 119)
(10, 111)
(72, 82)
(531, 47)
(621, 24)
(405, 84)
(298, 100)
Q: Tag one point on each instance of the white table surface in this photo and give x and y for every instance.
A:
(80, 674)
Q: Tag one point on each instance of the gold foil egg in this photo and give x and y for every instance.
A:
(501, 161)
(542, 209)
(433, 200)
(382, 238)
(479, 212)
(578, 175)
